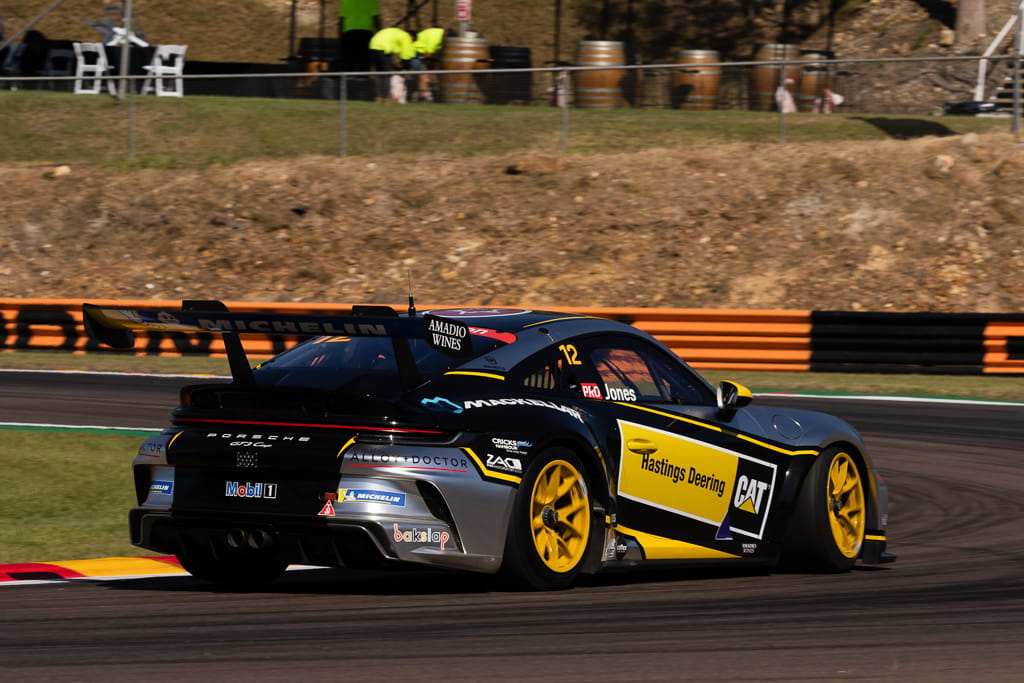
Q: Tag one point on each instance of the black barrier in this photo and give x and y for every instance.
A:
(27, 319)
(927, 343)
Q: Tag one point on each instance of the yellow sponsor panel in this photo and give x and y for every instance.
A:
(675, 473)
(661, 548)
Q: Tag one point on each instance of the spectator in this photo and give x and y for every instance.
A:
(358, 20)
(428, 43)
(385, 45)
(784, 98)
(33, 58)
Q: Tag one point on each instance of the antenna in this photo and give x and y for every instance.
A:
(412, 304)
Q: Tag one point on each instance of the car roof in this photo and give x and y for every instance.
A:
(534, 330)
(511, 319)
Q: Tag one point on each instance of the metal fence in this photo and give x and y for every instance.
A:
(792, 83)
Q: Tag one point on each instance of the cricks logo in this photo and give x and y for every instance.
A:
(749, 494)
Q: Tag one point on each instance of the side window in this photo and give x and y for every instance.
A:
(546, 372)
(625, 375)
(632, 371)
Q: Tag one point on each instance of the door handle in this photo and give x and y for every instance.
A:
(641, 446)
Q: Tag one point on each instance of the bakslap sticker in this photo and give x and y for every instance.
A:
(428, 536)
(710, 484)
(448, 336)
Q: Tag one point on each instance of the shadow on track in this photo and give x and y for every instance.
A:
(331, 581)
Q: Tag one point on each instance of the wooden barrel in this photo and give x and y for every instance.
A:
(815, 77)
(695, 87)
(600, 89)
(461, 53)
(765, 79)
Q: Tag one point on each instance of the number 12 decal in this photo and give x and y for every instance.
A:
(572, 356)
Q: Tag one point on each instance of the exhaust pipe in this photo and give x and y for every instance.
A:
(260, 539)
(256, 539)
(237, 538)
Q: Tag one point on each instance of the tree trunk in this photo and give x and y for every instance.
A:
(970, 21)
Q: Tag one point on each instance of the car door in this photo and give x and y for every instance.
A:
(687, 484)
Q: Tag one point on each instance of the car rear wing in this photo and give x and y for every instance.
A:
(116, 327)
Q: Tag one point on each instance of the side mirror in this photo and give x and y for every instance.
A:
(730, 397)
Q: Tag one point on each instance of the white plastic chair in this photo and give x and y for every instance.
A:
(91, 63)
(59, 62)
(165, 71)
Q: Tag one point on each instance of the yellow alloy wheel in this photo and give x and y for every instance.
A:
(559, 516)
(846, 510)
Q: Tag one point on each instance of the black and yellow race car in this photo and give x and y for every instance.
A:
(534, 444)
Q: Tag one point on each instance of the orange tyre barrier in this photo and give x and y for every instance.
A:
(794, 340)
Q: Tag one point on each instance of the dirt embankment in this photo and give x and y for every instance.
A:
(932, 224)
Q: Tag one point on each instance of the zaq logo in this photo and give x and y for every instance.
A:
(506, 463)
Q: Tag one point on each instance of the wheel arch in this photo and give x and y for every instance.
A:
(867, 473)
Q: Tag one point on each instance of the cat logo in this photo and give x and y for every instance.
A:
(749, 494)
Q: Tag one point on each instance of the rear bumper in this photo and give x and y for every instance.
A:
(328, 542)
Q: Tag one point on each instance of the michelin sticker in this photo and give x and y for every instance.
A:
(371, 496)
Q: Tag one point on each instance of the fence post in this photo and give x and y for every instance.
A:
(342, 116)
(131, 121)
(1016, 114)
(562, 98)
(781, 105)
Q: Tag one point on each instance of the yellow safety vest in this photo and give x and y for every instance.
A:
(393, 41)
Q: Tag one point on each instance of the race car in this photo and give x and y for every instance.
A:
(532, 444)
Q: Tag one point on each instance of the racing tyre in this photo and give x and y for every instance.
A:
(233, 570)
(550, 528)
(827, 530)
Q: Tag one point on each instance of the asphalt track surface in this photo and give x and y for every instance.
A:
(950, 609)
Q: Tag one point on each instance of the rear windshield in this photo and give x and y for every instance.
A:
(364, 365)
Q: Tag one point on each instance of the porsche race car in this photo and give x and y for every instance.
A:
(534, 444)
